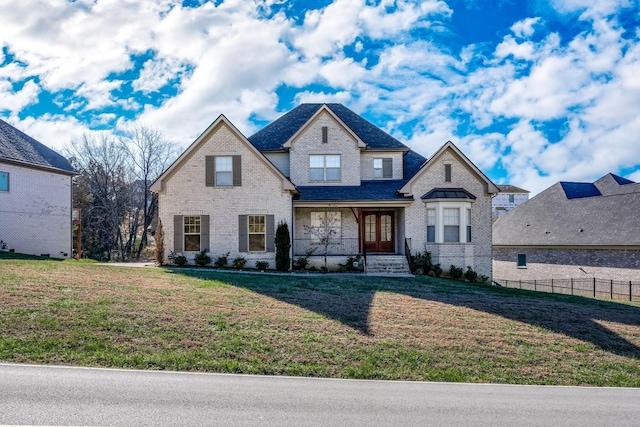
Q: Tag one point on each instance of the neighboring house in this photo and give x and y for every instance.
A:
(572, 230)
(35, 196)
(508, 198)
(326, 172)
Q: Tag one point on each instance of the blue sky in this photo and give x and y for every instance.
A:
(534, 92)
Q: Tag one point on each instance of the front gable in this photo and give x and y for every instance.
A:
(221, 138)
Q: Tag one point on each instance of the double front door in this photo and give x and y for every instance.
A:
(378, 231)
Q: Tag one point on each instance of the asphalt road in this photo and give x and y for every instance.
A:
(41, 395)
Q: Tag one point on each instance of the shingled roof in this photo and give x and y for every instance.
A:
(274, 135)
(604, 213)
(367, 191)
(18, 147)
(508, 188)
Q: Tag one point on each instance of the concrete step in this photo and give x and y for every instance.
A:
(394, 264)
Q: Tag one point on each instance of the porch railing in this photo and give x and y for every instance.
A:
(407, 250)
(337, 246)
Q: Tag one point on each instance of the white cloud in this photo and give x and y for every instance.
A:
(54, 131)
(525, 28)
(157, 73)
(14, 101)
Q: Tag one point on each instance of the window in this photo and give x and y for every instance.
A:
(223, 171)
(451, 225)
(431, 225)
(447, 173)
(522, 260)
(192, 233)
(468, 225)
(325, 225)
(325, 134)
(4, 181)
(324, 167)
(377, 168)
(257, 233)
(511, 198)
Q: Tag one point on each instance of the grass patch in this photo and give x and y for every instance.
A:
(349, 326)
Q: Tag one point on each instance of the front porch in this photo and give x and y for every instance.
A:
(343, 232)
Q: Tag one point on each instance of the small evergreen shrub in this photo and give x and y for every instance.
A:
(262, 265)
(239, 263)
(348, 266)
(470, 275)
(301, 263)
(180, 260)
(455, 272)
(283, 247)
(222, 260)
(437, 270)
(482, 278)
(421, 262)
(202, 258)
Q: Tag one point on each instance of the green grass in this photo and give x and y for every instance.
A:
(349, 326)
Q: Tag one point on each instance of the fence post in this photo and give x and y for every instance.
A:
(535, 286)
(520, 282)
(594, 287)
(552, 286)
(572, 286)
(630, 291)
(611, 288)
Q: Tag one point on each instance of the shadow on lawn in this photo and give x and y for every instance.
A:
(348, 300)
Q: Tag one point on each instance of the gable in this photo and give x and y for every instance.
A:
(335, 130)
(222, 138)
(452, 153)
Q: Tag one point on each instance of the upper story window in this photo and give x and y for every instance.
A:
(447, 172)
(4, 181)
(324, 167)
(511, 198)
(383, 168)
(325, 134)
(223, 171)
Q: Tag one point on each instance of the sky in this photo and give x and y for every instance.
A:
(533, 92)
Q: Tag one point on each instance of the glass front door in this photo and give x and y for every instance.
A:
(378, 231)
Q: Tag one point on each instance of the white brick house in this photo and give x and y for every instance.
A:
(35, 196)
(323, 168)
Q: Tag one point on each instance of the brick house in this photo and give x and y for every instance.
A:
(328, 173)
(572, 230)
(509, 197)
(35, 196)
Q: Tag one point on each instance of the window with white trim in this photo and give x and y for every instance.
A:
(4, 181)
(448, 222)
(192, 233)
(325, 167)
(224, 170)
(431, 225)
(451, 225)
(377, 168)
(257, 233)
(325, 225)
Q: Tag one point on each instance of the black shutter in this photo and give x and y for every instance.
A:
(210, 171)
(271, 247)
(243, 234)
(204, 232)
(237, 171)
(387, 168)
(447, 173)
(177, 233)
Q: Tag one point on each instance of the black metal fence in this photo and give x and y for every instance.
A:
(586, 287)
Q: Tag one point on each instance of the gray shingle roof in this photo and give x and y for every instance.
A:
(508, 188)
(448, 193)
(555, 217)
(19, 147)
(275, 134)
(367, 191)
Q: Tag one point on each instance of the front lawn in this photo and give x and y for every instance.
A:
(347, 326)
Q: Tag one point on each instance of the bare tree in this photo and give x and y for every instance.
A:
(149, 154)
(325, 231)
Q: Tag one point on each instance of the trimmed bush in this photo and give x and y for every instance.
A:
(455, 272)
(202, 258)
(239, 263)
(283, 247)
(262, 265)
(180, 260)
(222, 260)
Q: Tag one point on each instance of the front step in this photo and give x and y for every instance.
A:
(387, 264)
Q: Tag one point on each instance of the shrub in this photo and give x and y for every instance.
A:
(283, 246)
(455, 272)
(422, 262)
(202, 258)
(348, 266)
(482, 278)
(222, 260)
(180, 260)
(301, 263)
(470, 275)
(239, 263)
(262, 265)
(437, 270)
